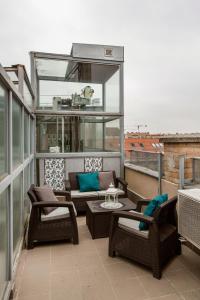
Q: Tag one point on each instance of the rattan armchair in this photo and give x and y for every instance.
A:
(63, 227)
(152, 248)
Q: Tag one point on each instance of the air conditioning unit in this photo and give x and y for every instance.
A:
(189, 215)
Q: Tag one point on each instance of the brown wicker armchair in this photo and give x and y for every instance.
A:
(54, 228)
(153, 247)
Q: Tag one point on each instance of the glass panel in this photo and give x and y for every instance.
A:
(26, 187)
(77, 134)
(112, 136)
(17, 211)
(76, 85)
(13, 75)
(3, 242)
(49, 134)
(51, 67)
(3, 131)
(32, 172)
(112, 93)
(27, 95)
(31, 135)
(26, 135)
(61, 95)
(17, 133)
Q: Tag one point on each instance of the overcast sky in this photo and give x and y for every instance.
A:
(162, 50)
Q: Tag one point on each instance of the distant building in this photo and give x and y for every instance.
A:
(145, 142)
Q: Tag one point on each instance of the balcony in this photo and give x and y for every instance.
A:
(62, 128)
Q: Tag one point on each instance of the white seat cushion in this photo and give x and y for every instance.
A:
(58, 212)
(132, 225)
(103, 193)
(78, 194)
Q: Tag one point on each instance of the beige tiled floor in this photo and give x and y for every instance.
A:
(86, 272)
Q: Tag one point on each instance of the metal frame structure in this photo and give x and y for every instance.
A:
(120, 114)
(6, 183)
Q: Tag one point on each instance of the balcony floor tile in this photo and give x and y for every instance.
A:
(85, 272)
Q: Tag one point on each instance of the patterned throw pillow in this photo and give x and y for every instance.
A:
(105, 179)
(45, 193)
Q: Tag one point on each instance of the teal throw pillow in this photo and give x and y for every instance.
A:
(88, 182)
(151, 207)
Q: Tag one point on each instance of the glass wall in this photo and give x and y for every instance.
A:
(3, 131)
(26, 135)
(17, 210)
(64, 134)
(3, 241)
(75, 85)
(17, 134)
(13, 185)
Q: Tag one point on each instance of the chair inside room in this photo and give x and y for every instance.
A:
(152, 247)
(59, 224)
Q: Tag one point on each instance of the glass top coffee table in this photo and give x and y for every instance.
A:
(98, 218)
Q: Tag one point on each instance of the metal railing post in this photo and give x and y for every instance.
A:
(160, 173)
(181, 171)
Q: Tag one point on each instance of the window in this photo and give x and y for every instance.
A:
(142, 145)
(3, 131)
(17, 133)
(132, 144)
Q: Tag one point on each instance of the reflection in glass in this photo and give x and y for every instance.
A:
(77, 134)
(17, 133)
(17, 211)
(3, 242)
(3, 131)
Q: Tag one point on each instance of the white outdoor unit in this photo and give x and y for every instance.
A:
(189, 215)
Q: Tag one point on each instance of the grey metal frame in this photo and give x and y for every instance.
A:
(7, 182)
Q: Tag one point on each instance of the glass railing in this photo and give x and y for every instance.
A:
(145, 159)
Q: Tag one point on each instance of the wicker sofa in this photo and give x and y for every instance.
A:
(80, 198)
